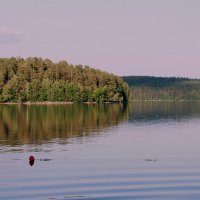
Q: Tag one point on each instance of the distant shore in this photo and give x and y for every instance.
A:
(91, 103)
(53, 103)
(44, 103)
(161, 100)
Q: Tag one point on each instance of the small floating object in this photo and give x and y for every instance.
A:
(150, 160)
(31, 160)
(45, 159)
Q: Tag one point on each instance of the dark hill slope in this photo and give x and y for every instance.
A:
(163, 88)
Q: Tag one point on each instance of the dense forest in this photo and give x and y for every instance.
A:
(161, 88)
(39, 80)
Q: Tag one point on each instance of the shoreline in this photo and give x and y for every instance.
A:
(43, 103)
(88, 103)
(50, 103)
(160, 100)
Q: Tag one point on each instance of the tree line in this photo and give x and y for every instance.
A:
(163, 88)
(38, 80)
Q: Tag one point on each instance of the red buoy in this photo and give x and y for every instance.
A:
(31, 158)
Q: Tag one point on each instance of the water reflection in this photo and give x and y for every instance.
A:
(148, 111)
(35, 124)
(116, 159)
(38, 124)
(31, 162)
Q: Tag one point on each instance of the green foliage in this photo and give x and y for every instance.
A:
(10, 91)
(158, 88)
(37, 80)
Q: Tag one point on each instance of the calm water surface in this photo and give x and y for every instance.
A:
(143, 150)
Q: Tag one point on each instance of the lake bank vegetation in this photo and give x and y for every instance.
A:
(41, 80)
(163, 88)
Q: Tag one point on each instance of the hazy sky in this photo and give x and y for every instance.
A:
(124, 37)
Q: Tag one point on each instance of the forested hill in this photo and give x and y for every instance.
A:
(152, 81)
(37, 80)
(163, 88)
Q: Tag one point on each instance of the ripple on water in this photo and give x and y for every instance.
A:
(154, 182)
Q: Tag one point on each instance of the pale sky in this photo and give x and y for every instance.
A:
(124, 37)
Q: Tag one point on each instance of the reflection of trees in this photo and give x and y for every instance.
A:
(36, 124)
(152, 110)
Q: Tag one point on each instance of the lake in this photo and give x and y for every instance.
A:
(140, 150)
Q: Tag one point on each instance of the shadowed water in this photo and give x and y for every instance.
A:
(140, 150)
